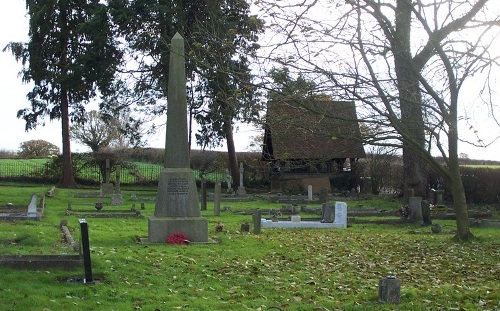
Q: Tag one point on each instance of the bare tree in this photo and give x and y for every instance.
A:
(95, 131)
(99, 130)
(404, 62)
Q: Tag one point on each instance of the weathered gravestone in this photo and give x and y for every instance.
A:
(176, 209)
(439, 198)
(340, 214)
(228, 182)
(32, 207)
(241, 188)
(415, 210)
(426, 213)
(107, 186)
(116, 198)
(309, 192)
(389, 290)
(326, 213)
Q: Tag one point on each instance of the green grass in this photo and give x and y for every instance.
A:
(294, 269)
(491, 166)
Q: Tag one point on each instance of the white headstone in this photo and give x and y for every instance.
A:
(310, 192)
(32, 210)
(341, 214)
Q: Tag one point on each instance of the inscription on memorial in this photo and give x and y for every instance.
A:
(177, 186)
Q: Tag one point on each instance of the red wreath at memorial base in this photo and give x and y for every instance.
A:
(177, 238)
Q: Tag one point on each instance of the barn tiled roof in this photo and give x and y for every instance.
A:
(320, 129)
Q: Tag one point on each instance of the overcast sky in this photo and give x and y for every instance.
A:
(14, 27)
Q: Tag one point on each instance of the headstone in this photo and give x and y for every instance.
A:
(426, 213)
(107, 186)
(32, 208)
(217, 196)
(323, 195)
(245, 228)
(326, 212)
(228, 182)
(241, 188)
(415, 208)
(176, 209)
(389, 290)
(341, 214)
(116, 198)
(256, 217)
(310, 192)
(439, 198)
(203, 193)
(295, 218)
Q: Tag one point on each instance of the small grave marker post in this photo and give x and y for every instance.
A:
(86, 251)
(203, 193)
(256, 221)
(389, 290)
(309, 193)
(217, 198)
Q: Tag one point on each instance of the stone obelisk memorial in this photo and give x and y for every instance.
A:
(176, 209)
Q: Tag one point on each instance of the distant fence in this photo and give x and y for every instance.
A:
(141, 174)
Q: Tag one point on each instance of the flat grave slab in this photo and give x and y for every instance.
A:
(265, 223)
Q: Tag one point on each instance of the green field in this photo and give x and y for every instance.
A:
(294, 269)
(131, 172)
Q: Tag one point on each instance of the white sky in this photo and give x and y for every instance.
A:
(14, 27)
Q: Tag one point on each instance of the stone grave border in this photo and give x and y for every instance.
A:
(133, 212)
(34, 262)
(26, 215)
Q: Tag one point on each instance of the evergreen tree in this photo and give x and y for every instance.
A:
(71, 54)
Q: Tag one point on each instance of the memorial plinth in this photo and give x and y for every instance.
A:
(177, 209)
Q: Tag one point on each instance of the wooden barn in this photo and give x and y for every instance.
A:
(309, 143)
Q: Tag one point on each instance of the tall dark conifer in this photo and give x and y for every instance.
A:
(71, 54)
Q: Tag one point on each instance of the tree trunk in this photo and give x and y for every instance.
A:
(460, 206)
(231, 153)
(68, 177)
(455, 180)
(415, 169)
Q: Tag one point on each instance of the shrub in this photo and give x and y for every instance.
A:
(38, 149)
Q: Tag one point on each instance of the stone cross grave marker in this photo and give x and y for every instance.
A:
(116, 198)
(241, 188)
(107, 186)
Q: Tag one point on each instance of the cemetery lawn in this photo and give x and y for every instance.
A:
(280, 269)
